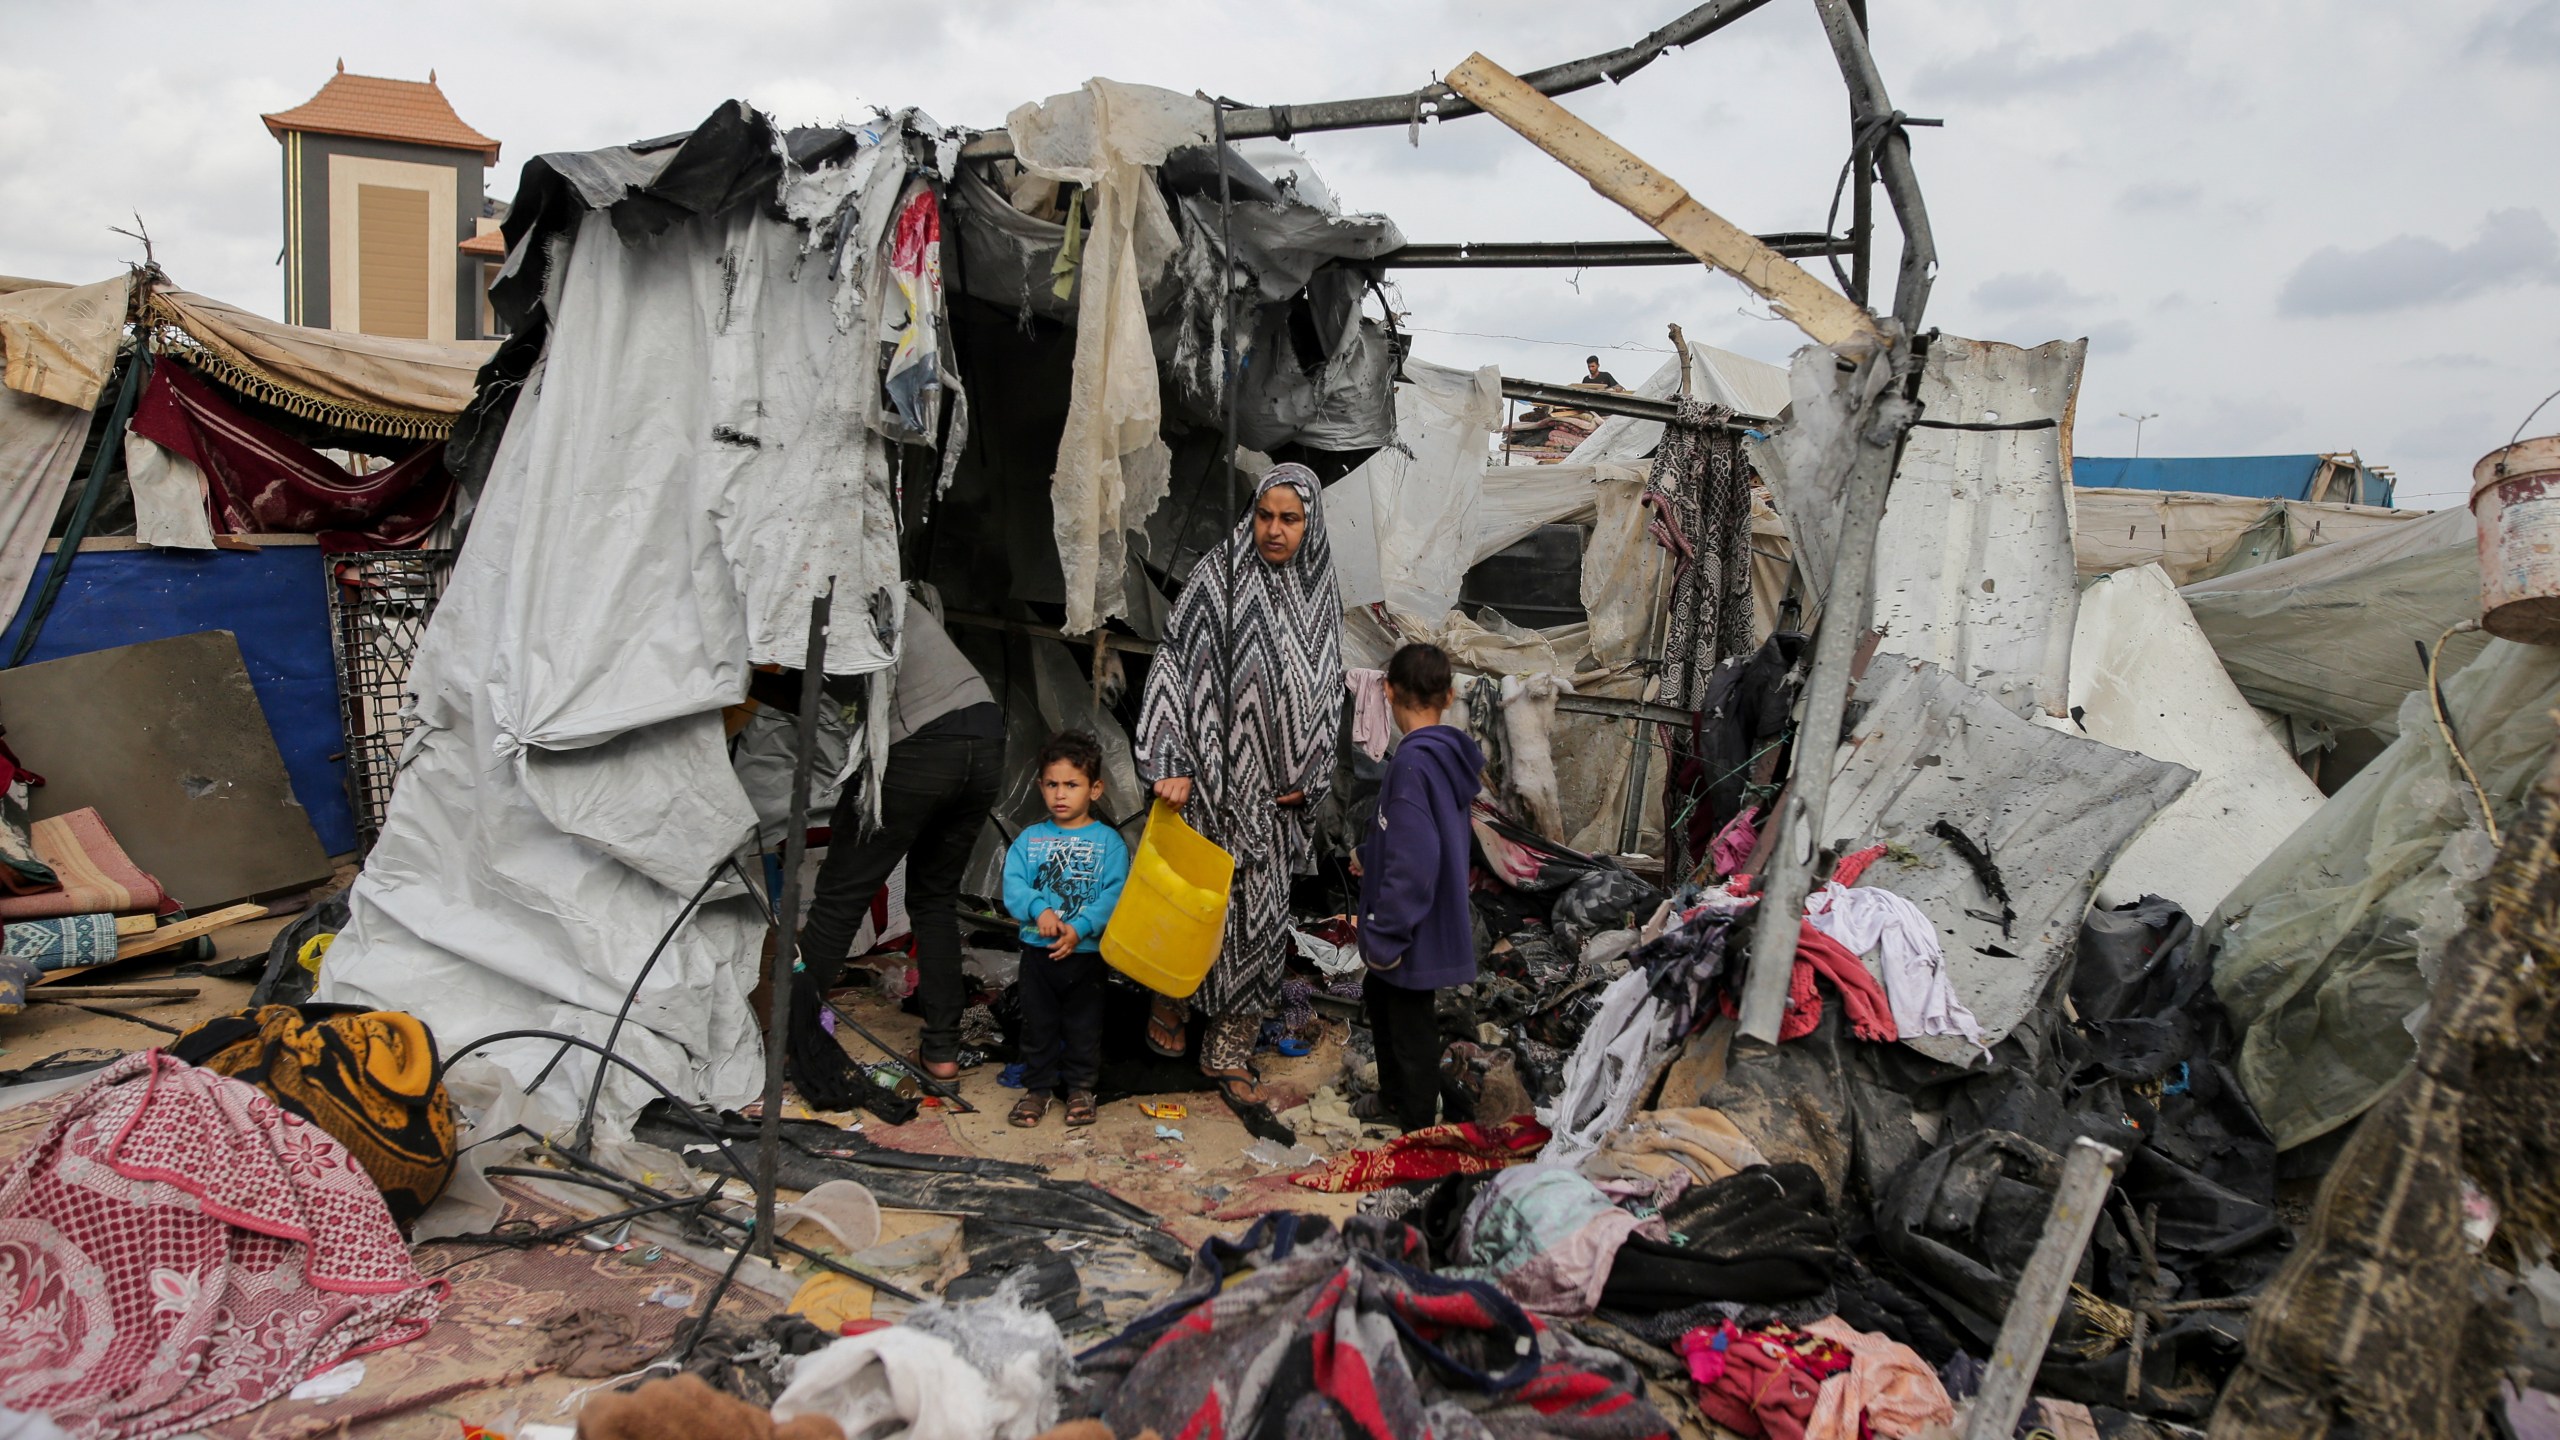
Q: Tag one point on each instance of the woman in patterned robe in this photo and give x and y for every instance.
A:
(1242, 714)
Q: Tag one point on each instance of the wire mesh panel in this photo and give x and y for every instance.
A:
(379, 601)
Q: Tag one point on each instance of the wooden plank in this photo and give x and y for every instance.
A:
(2088, 1171)
(1659, 201)
(167, 937)
(129, 925)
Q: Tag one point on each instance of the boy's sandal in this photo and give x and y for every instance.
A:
(1168, 1020)
(1030, 1110)
(1080, 1108)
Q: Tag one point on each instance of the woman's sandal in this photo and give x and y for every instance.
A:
(1168, 1023)
(1030, 1110)
(1080, 1108)
(1242, 1090)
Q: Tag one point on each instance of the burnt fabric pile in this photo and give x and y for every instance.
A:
(1942, 1228)
(1300, 1328)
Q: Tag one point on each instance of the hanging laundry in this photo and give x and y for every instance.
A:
(1373, 725)
(260, 480)
(1700, 494)
(1915, 964)
(182, 1251)
(914, 377)
(1735, 842)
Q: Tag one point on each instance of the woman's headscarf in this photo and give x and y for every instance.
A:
(1262, 643)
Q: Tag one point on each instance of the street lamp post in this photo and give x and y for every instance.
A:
(2137, 428)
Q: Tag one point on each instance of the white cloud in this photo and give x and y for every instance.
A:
(2514, 247)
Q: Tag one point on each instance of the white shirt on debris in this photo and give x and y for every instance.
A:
(1915, 965)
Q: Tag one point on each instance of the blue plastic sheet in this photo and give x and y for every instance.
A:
(274, 600)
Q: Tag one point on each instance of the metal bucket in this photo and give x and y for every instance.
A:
(2515, 495)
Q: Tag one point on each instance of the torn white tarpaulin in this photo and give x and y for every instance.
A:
(1113, 467)
(2197, 537)
(1410, 509)
(1753, 390)
(40, 444)
(1974, 567)
(168, 496)
(690, 464)
(2143, 678)
(2050, 810)
(58, 342)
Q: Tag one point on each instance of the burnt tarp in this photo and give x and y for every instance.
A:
(2051, 811)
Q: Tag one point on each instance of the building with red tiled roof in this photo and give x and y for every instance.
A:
(384, 199)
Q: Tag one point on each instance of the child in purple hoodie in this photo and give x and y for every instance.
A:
(1415, 930)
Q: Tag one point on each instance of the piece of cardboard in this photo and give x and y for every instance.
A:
(167, 740)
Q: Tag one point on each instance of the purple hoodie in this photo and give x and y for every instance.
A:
(1415, 929)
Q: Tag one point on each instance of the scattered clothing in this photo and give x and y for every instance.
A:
(1734, 843)
(1607, 1069)
(1373, 720)
(1302, 1329)
(61, 942)
(1661, 1153)
(1743, 724)
(1609, 898)
(182, 1250)
(92, 874)
(368, 1077)
(1915, 964)
(1870, 1013)
(1462, 1149)
(1416, 930)
(1764, 1381)
(1547, 1237)
(1261, 643)
(261, 481)
(897, 1380)
(1762, 1236)
(22, 871)
(1887, 1390)
(1077, 873)
(687, 1409)
(1014, 1343)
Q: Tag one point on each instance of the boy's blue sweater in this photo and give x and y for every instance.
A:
(1077, 873)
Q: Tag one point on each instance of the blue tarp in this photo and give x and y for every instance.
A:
(275, 600)
(2263, 477)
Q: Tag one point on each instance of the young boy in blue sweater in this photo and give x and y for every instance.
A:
(1415, 932)
(1061, 879)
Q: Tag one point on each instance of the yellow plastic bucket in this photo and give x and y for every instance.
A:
(1173, 912)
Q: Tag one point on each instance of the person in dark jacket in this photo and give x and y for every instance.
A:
(1415, 933)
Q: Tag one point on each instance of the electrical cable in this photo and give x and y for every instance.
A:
(2444, 724)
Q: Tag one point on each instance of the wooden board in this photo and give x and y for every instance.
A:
(168, 741)
(167, 937)
(1659, 201)
(128, 926)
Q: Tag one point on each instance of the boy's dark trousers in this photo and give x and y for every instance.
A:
(1408, 1042)
(1061, 1020)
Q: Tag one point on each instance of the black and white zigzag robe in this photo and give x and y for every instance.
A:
(1261, 643)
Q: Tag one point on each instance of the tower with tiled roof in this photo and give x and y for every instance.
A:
(383, 185)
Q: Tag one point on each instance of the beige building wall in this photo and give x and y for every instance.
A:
(395, 248)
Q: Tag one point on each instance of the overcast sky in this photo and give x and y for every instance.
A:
(2284, 226)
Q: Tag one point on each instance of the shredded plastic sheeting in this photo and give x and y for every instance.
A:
(1113, 467)
(2324, 948)
(2199, 537)
(1974, 569)
(1411, 507)
(691, 463)
(2053, 810)
(2332, 634)
(1751, 389)
(2143, 678)
(40, 444)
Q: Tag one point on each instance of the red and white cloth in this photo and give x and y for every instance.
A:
(177, 1249)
